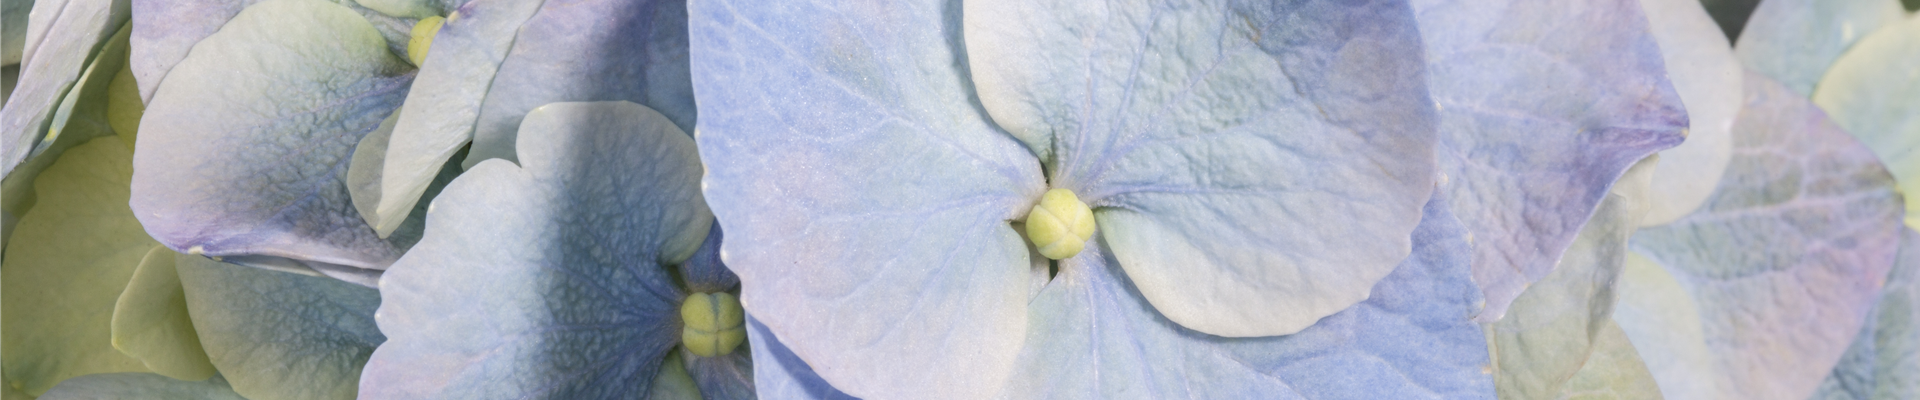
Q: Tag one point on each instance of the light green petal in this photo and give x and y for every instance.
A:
(673, 383)
(63, 273)
(150, 321)
(80, 117)
(277, 335)
(1663, 322)
(1795, 41)
(1874, 92)
(1614, 371)
(1552, 327)
(1704, 71)
(62, 38)
(124, 106)
(140, 386)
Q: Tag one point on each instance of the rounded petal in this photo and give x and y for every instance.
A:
(74, 256)
(1872, 92)
(1543, 105)
(1202, 131)
(548, 280)
(280, 336)
(244, 152)
(783, 375)
(1094, 337)
(60, 42)
(1705, 73)
(1786, 259)
(866, 201)
(150, 321)
(1795, 41)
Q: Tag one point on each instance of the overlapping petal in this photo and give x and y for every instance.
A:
(1884, 360)
(1705, 73)
(151, 321)
(1555, 326)
(166, 30)
(1543, 104)
(1095, 337)
(1788, 256)
(80, 116)
(1202, 129)
(244, 150)
(1613, 371)
(61, 40)
(781, 374)
(1795, 41)
(63, 274)
(1872, 92)
(280, 336)
(866, 200)
(549, 279)
(1663, 322)
(141, 386)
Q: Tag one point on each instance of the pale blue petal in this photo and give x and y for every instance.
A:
(244, 151)
(588, 50)
(1789, 254)
(280, 336)
(1701, 64)
(1555, 326)
(1663, 322)
(13, 31)
(62, 36)
(1094, 337)
(1543, 104)
(454, 80)
(1203, 132)
(781, 374)
(727, 377)
(165, 30)
(548, 280)
(1795, 41)
(866, 200)
(704, 272)
(1884, 361)
(134, 385)
(1873, 92)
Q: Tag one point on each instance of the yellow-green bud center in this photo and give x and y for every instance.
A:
(423, 32)
(715, 324)
(1060, 225)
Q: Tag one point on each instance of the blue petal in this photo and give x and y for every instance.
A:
(1270, 157)
(61, 39)
(1795, 41)
(1884, 360)
(781, 374)
(245, 149)
(704, 272)
(548, 280)
(1789, 254)
(276, 335)
(1094, 337)
(866, 201)
(727, 377)
(1543, 104)
(165, 30)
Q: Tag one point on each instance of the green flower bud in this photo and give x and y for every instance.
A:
(423, 32)
(1060, 225)
(714, 324)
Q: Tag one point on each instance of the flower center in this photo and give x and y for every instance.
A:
(1060, 225)
(423, 32)
(715, 324)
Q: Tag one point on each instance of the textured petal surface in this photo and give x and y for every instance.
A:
(727, 377)
(79, 117)
(1543, 104)
(783, 375)
(1614, 371)
(151, 323)
(866, 200)
(1705, 73)
(166, 30)
(1795, 41)
(245, 149)
(588, 50)
(548, 280)
(1873, 92)
(62, 36)
(63, 273)
(139, 386)
(1552, 329)
(453, 82)
(1789, 254)
(1094, 337)
(1884, 361)
(281, 336)
(1663, 322)
(1200, 129)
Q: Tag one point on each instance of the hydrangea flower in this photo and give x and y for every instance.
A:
(1757, 294)
(572, 275)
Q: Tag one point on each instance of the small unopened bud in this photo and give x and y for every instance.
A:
(1060, 225)
(714, 324)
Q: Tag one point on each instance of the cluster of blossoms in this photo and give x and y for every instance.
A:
(959, 199)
